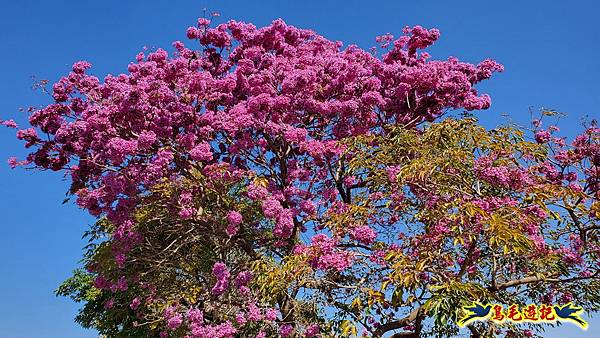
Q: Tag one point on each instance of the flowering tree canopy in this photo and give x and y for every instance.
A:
(271, 182)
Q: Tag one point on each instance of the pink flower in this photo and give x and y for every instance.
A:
(285, 330)
(119, 149)
(203, 22)
(13, 162)
(221, 272)
(120, 259)
(254, 313)
(364, 234)
(186, 213)
(174, 322)
(243, 278)
(234, 217)
(271, 314)
(135, 303)
(195, 315)
(349, 181)
(308, 207)
(8, 123)
(572, 176)
(146, 139)
(240, 319)
(324, 254)
(575, 187)
(271, 208)
(109, 304)
(311, 330)
(81, 66)
(231, 230)
(201, 152)
(192, 33)
(256, 192)
(295, 135)
(542, 136)
(284, 224)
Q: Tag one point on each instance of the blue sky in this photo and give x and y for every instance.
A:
(549, 48)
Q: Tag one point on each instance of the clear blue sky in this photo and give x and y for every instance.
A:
(550, 50)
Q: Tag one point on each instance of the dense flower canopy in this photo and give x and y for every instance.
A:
(268, 181)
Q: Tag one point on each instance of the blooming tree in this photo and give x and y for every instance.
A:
(270, 182)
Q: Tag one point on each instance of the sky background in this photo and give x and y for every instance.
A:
(550, 51)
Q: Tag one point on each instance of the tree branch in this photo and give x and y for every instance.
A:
(415, 316)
